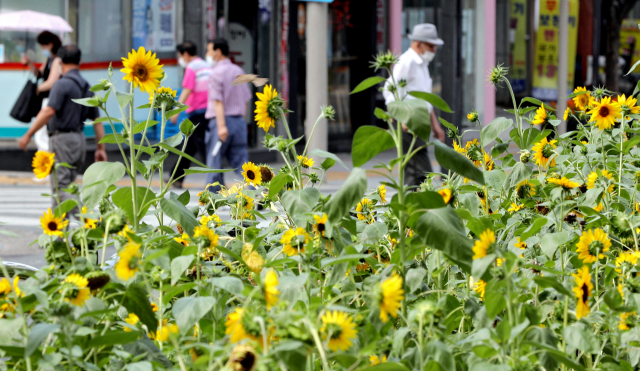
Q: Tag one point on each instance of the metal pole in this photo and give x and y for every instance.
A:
(563, 62)
(317, 73)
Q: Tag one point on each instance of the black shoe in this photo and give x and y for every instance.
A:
(177, 184)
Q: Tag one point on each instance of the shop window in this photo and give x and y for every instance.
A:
(100, 30)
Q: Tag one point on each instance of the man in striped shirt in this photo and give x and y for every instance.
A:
(226, 107)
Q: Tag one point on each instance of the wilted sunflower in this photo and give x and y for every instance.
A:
(129, 261)
(252, 258)
(320, 225)
(294, 241)
(364, 210)
(446, 194)
(563, 182)
(142, 69)
(251, 173)
(271, 292)
(165, 332)
(267, 108)
(525, 189)
(391, 297)
(582, 291)
(605, 113)
(131, 319)
(243, 358)
(480, 288)
(306, 161)
(267, 173)
(53, 225)
(43, 163)
(339, 328)
(75, 290)
(606, 176)
(482, 246)
(382, 192)
(540, 117)
(235, 328)
(593, 242)
(581, 100)
(543, 150)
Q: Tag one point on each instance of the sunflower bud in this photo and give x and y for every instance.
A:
(554, 175)
(281, 146)
(384, 60)
(73, 189)
(472, 116)
(97, 279)
(452, 133)
(61, 309)
(620, 225)
(328, 112)
(116, 220)
(105, 206)
(314, 178)
(402, 83)
(497, 74)
(525, 156)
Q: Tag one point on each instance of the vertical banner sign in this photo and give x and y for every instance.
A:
(284, 51)
(517, 35)
(545, 73)
(630, 42)
(154, 25)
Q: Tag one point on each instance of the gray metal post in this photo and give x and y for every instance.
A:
(563, 62)
(317, 73)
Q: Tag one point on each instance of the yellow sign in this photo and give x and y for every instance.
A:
(630, 35)
(517, 38)
(545, 72)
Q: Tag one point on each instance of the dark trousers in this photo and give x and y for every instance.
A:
(234, 149)
(419, 165)
(195, 144)
(72, 149)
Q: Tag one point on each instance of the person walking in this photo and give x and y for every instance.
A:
(64, 120)
(50, 71)
(195, 85)
(226, 107)
(413, 70)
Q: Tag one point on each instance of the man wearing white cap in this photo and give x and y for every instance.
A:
(411, 73)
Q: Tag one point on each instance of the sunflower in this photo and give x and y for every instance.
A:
(294, 241)
(266, 112)
(338, 327)
(128, 261)
(42, 164)
(626, 260)
(142, 69)
(446, 195)
(628, 320)
(320, 225)
(306, 161)
(543, 151)
(515, 207)
(243, 358)
(252, 258)
(75, 289)
(521, 244)
(581, 100)
(382, 192)
(271, 292)
(480, 288)
(244, 205)
(364, 210)
(621, 290)
(131, 319)
(599, 207)
(163, 95)
(488, 162)
(458, 148)
(592, 242)
(482, 246)
(183, 240)
(582, 291)
(165, 332)
(391, 297)
(251, 173)
(606, 176)
(567, 112)
(375, 360)
(628, 105)
(540, 117)
(563, 182)
(525, 189)
(235, 328)
(88, 223)
(53, 225)
(206, 220)
(472, 116)
(605, 113)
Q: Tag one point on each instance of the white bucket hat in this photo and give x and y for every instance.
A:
(426, 32)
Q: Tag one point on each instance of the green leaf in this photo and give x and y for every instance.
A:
(534, 228)
(479, 266)
(178, 266)
(277, 183)
(114, 338)
(374, 232)
(434, 99)
(495, 179)
(175, 290)
(550, 242)
(65, 207)
(97, 179)
(178, 212)
(450, 159)
(447, 124)
(173, 141)
(581, 337)
(633, 67)
(494, 299)
(517, 174)
(204, 170)
(347, 196)
(324, 154)
(537, 102)
(123, 98)
(343, 259)
(386, 366)
(443, 230)
(367, 83)
(188, 311)
(173, 112)
(180, 153)
(557, 355)
(494, 129)
(440, 353)
(363, 149)
(553, 282)
(37, 334)
(140, 126)
(136, 300)
(626, 146)
(112, 139)
(88, 102)
(414, 114)
(186, 127)
(123, 199)
(414, 278)
(300, 202)
(230, 284)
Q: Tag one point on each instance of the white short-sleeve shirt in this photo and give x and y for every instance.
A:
(412, 68)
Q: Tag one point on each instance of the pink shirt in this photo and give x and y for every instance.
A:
(196, 79)
(233, 97)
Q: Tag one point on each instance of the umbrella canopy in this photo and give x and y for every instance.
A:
(28, 20)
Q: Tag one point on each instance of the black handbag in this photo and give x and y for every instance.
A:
(28, 104)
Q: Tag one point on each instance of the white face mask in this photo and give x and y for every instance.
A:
(428, 56)
(182, 63)
(210, 60)
(46, 53)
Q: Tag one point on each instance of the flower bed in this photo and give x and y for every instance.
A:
(503, 262)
